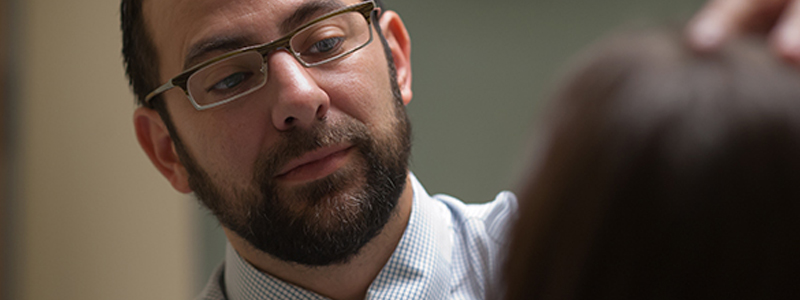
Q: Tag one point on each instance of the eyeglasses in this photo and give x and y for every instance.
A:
(238, 73)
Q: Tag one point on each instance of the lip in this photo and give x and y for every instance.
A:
(315, 164)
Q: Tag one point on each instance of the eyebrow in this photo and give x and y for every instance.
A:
(223, 44)
(307, 11)
(303, 14)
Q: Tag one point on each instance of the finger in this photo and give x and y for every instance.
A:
(786, 38)
(718, 21)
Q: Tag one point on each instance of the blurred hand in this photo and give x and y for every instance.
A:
(720, 20)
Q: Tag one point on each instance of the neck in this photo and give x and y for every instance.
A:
(341, 281)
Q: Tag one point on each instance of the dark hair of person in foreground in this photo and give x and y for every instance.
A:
(665, 174)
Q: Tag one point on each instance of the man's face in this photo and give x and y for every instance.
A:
(309, 167)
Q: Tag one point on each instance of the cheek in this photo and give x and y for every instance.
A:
(225, 141)
(359, 86)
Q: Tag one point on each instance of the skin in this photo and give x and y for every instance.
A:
(227, 140)
(721, 20)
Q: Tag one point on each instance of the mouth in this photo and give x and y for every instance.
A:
(315, 164)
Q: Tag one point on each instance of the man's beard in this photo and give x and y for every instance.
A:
(326, 221)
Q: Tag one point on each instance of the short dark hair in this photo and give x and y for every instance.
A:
(138, 51)
(666, 174)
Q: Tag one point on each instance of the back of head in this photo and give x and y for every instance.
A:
(665, 174)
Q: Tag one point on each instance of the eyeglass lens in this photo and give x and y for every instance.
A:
(241, 74)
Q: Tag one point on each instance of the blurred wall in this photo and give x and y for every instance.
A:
(482, 69)
(3, 142)
(94, 220)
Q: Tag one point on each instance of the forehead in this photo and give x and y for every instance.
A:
(178, 25)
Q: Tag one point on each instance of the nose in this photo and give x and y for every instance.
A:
(300, 101)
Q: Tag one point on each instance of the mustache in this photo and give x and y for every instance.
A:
(298, 141)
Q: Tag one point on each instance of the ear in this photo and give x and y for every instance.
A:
(154, 138)
(400, 44)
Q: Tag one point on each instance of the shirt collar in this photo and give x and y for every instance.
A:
(418, 269)
(245, 282)
(420, 266)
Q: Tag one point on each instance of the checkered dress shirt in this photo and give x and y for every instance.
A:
(450, 250)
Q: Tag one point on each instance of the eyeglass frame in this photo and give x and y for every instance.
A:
(181, 80)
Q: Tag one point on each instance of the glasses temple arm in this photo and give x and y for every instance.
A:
(159, 90)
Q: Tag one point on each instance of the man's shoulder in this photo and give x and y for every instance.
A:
(485, 219)
(214, 289)
(487, 222)
(498, 211)
(479, 233)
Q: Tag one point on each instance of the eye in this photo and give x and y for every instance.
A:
(326, 45)
(230, 82)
